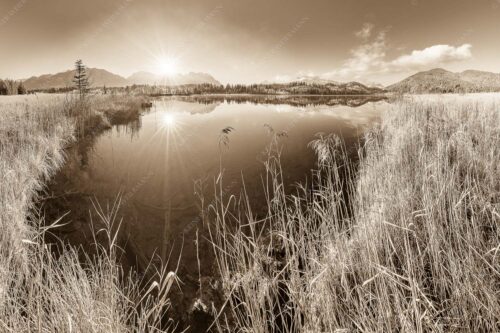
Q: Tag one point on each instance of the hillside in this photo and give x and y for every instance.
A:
(97, 78)
(442, 81)
(487, 80)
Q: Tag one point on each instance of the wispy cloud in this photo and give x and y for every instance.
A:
(365, 31)
(368, 57)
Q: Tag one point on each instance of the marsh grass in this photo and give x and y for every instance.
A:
(42, 292)
(119, 109)
(96, 113)
(416, 248)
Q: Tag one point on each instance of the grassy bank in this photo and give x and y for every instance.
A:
(415, 249)
(42, 293)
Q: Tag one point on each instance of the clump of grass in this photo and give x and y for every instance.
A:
(414, 249)
(96, 113)
(38, 290)
(119, 109)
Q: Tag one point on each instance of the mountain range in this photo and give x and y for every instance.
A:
(308, 79)
(100, 77)
(439, 80)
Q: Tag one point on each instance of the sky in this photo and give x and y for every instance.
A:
(251, 41)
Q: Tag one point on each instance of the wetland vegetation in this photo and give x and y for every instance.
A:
(396, 229)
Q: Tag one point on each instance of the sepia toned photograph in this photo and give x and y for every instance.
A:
(249, 166)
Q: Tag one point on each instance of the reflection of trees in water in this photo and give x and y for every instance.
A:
(352, 101)
(70, 193)
(131, 128)
(85, 146)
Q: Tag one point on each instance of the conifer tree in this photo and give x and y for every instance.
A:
(80, 79)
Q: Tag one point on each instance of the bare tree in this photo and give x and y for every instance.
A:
(80, 79)
(11, 87)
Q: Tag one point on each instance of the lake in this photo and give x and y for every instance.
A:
(160, 165)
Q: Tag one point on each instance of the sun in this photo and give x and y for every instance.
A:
(167, 66)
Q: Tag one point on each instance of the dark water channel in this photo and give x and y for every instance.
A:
(153, 164)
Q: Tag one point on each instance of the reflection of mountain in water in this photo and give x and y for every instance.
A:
(352, 101)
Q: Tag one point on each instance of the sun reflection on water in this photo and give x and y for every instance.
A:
(169, 120)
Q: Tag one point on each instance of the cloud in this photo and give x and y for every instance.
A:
(433, 55)
(369, 59)
(365, 31)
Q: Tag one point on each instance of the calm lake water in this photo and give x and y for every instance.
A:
(154, 163)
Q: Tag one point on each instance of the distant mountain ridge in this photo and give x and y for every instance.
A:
(308, 84)
(100, 77)
(314, 80)
(439, 80)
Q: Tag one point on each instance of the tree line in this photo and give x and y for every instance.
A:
(292, 88)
